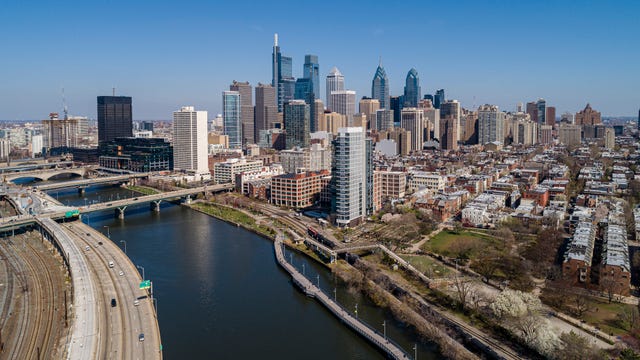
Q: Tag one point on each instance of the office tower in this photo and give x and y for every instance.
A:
(114, 117)
(370, 204)
(360, 120)
(296, 123)
(550, 116)
(282, 79)
(384, 119)
(231, 120)
(401, 137)
(412, 120)
(369, 107)
(588, 116)
(335, 82)
(532, 110)
(546, 134)
(396, 103)
(469, 133)
(344, 102)
(380, 87)
(449, 130)
(266, 111)
(609, 138)
(570, 135)
(349, 176)
(331, 122)
(190, 144)
(318, 113)
(311, 71)
(541, 105)
(451, 108)
(439, 98)
(431, 120)
(246, 110)
(412, 92)
(429, 97)
(490, 124)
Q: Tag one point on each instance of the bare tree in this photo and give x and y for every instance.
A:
(463, 290)
(580, 304)
(610, 286)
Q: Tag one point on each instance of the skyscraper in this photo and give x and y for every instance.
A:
(344, 102)
(380, 87)
(266, 111)
(532, 110)
(412, 120)
(384, 119)
(349, 176)
(396, 103)
(451, 109)
(638, 119)
(231, 120)
(296, 123)
(246, 110)
(282, 71)
(369, 107)
(190, 142)
(490, 124)
(541, 106)
(114, 117)
(335, 82)
(438, 98)
(588, 116)
(550, 116)
(412, 92)
(311, 71)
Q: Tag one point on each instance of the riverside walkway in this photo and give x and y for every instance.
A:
(393, 350)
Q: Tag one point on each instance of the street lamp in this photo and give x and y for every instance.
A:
(108, 233)
(384, 329)
(415, 351)
(356, 310)
(125, 246)
(141, 267)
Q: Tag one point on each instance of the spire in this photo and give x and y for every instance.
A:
(380, 61)
(275, 39)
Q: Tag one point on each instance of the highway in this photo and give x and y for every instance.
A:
(86, 182)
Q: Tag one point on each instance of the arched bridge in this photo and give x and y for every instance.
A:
(46, 174)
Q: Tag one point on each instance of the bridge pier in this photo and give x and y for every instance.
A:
(155, 205)
(81, 190)
(120, 212)
(187, 200)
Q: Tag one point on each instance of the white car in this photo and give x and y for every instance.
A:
(136, 302)
(121, 273)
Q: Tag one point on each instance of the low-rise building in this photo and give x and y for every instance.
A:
(576, 267)
(297, 190)
(225, 172)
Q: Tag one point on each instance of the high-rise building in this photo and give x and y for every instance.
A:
(439, 98)
(318, 112)
(588, 116)
(231, 119)
(532, 110)
(344, 102)
(266, 111)
(282, 79)
(412, 92)
(567, 118)
(371, 205)
(550, 116)
(369, 107)
(331, 122)
(570, 135)
(451, 109)
(114, 117)
(60, 132)
(246, 110)
(609, 138)
(311, 71)
(412, 120)
(384, 119)
(490, 124)
(296, 123)
(638, 119)
(335, 82)
(541, 105)
(349, 176)
(469, 132)
(380, 87)
(546, 134)
(396, 103)
(190, 142)
(448, 133)
(431, 119)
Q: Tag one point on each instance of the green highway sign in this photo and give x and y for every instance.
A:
(145, 284)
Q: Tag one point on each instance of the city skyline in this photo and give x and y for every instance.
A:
(475, 64)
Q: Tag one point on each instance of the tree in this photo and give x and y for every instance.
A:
(576, 347)
(486, 264)
(609, 285)
(580, 304)
(463, 290)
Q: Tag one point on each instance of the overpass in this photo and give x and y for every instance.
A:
(37, 164)
(81, 184)
(47, 174)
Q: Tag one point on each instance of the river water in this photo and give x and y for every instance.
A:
(221, 293)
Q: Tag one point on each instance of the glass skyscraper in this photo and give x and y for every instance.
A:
(297, 123)
(114, 117)
(380, 87)
(311, 71)
(412, 91)
(439, 98)
(282, 76)
(231, 118)
(541, 105)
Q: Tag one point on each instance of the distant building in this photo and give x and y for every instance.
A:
(412, 93)
(331, 122)
(335, 82)
(60, 132)
(490, 124)
(588, 116)
(225, 172)
(297, 123)
(384, 119)
(266, 110)
(114, 117)
(570, 135)
(609, 138)
(541, 105)
(314, 158)
(401, 137)
(550, 116)
(282, 75)
(246, 110)
(190, 142)
(532, 110)
(344, 102)
(392, 184)
(369, 107)
(136, 154)
(451, 109)
(232, 121)
(546, 134)
(380, 87)
(438, 98)
(412, 120)
(396, 103)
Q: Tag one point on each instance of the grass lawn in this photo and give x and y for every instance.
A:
(605, 316)
(465, 244)
(143, 190)
(426, 265)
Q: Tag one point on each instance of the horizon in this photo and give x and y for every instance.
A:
(170, 55)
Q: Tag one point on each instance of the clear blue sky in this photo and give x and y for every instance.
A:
(167, 54)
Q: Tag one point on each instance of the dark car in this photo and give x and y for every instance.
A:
(113, 302)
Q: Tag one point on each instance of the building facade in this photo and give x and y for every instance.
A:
(246, 110)
(231, 118)
(412, 120)
(190, 142)
(114, 117)
(297, 123)
(380, 87)
(335, 82)
(266, 110)
(349, 176)
(490, 124)
(412, 93)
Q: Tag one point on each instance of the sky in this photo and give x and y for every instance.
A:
(167, 54)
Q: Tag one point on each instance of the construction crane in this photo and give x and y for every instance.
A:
(64, 106)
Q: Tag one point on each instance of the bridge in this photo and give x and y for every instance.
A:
(380, 340)
(29, 165)
(47, 174)
(82, 184)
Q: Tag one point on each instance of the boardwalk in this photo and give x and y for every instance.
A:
(393, 350)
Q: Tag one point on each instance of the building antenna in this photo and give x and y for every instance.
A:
(113, 91)
(64, 106)
(474, 102)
